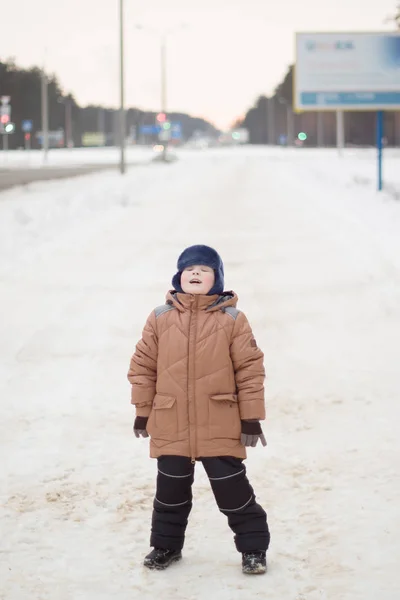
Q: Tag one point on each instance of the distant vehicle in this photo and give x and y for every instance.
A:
(234, 137)
(200, 143)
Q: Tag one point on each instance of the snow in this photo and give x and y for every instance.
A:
(314, 255)
(68, 157)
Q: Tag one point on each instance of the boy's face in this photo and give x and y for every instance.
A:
(197, 279)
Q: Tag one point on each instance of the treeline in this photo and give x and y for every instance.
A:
(320, 128)
(24, 88)
(272, 119)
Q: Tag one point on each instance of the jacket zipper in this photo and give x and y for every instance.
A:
(191, 397)
(194, 388)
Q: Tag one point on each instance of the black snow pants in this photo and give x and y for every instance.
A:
(233, 493)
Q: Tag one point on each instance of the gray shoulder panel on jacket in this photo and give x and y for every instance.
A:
(233, 312)
(162, 309)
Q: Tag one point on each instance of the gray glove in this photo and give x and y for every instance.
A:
(139, 427)
(251, 433)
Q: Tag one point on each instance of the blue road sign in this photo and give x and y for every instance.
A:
(26, 126)
(150, 129)
(176, 131)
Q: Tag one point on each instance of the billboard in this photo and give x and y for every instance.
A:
(347, 71)
(93, 138)
(55, 138)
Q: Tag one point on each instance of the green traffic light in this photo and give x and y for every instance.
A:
(167, 126)
(302, 136)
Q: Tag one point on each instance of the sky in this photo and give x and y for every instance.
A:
(221, 54)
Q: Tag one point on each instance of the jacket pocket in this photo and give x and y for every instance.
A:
(224, 418)
(163, 420)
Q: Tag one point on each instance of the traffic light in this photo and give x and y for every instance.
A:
(161, 117)
(166, 126)
(302, 136)
(9, 128)
(4, 119)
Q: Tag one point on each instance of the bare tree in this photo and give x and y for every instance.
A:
(395, 19)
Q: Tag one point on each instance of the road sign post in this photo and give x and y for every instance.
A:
(379, 145)
(27, 126)
(176, 130)
(5, 119)
(348, 71)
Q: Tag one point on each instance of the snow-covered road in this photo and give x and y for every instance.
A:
(314, 255)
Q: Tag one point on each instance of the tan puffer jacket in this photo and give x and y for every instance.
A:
(196, 373)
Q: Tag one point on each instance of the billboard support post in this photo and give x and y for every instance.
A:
(379, 145)
(340, 137)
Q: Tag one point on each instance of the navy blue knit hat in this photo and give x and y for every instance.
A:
(201, 255)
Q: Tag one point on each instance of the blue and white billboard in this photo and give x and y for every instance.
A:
(347, 71)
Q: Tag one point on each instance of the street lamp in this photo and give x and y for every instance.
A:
(67, 101)
(163, 36)
(45, 115)
(122, 98)
(289, 120)
(270, 119)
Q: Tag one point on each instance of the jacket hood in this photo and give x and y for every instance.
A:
(183, 301)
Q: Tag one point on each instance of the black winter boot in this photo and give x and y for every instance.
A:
(254, 563)
(161, 559)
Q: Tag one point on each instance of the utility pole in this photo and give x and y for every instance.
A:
(122, 98)
(271, 120)
(164, 74)
(45, 117)
(165, 133)
(68, 122)
(289, 125)
(101, 121)
(164, 86)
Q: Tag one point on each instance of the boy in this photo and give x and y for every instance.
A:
(197, 380)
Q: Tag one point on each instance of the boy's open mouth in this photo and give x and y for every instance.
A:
(195, 281)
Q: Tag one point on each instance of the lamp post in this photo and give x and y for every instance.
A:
(163, 36)
(122, 166)
(270, 117)
(68, 122)
(45, 116)
(164, 73)
(67, 102)
(289, 121)
(164, 87)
